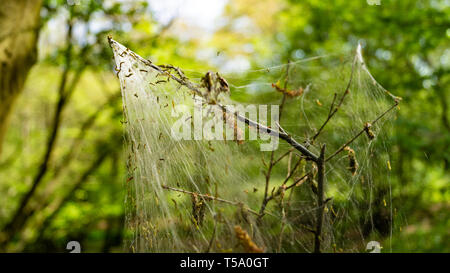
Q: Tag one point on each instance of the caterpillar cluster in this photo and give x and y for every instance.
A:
(369, 131)
(353, 164)
(198, 210)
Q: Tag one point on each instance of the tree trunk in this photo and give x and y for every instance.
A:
(19, 27)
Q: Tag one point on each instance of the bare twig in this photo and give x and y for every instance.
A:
(284, 155)
(296, 182)
(361, 132)
(209, 197)
(272, 161)
(283, 187)
(299, 147)
(291, 172)
(333, 109)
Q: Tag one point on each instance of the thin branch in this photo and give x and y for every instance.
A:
(332, 104)
(286, 137)
(281, 128)
(283, 155)
(272, 162)
(289, 164)
(267, 199)
(308, 229)
(276, 193)
(361, 132)
(291, 172)
(333, 109)
(209, 197)
(296, 182)
(266, 187)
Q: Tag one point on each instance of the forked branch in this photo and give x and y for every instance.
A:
(191, 86)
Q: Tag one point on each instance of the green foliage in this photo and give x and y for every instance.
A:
(405, 44)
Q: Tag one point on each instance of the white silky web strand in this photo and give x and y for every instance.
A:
(164, 220)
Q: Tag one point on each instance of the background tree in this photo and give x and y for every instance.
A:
(18, 52)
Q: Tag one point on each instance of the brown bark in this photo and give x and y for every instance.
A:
(19, 27)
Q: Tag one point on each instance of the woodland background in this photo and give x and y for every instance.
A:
(62, 165)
